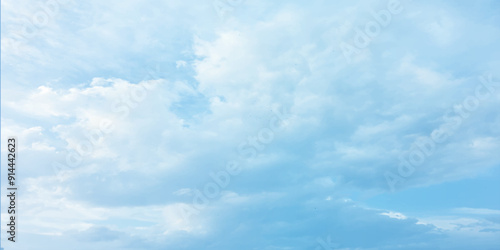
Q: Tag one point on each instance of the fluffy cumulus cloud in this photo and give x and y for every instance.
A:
(252, 124)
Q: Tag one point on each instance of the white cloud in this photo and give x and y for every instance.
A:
(217, 87)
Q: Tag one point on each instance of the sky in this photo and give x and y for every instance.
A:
(251, 124)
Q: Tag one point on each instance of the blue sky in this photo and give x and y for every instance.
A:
(253, 124)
